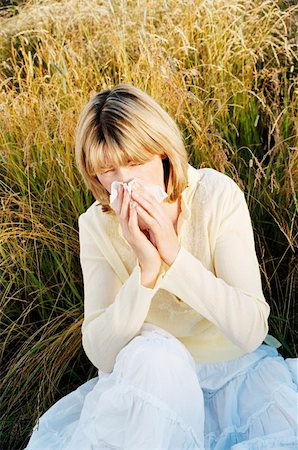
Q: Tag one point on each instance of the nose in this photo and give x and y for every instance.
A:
(124, 174)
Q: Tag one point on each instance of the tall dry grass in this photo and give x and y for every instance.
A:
(226, 70)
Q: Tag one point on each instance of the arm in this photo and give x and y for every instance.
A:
(232, 299)
(113, 312)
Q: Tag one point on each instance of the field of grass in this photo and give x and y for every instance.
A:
(226, 70)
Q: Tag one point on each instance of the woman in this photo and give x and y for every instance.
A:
(174, 313)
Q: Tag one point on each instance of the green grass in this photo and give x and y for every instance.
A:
(226, 70)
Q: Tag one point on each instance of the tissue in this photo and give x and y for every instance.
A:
(156, 190)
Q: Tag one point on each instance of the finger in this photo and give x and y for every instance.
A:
(133, 217)
(150, 221)
(119, 200)
(125, 205)
(133, 223)
(149, 203)
(139, 190)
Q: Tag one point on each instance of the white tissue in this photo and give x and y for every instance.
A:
(159, 193)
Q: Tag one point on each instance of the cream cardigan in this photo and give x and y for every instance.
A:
(210, 298)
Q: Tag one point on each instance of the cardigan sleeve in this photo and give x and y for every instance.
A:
(114, 311)
(232, 299)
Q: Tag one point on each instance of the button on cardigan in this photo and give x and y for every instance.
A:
(210, 298)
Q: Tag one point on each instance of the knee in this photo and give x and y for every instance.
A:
(154, 353)
(161, 366)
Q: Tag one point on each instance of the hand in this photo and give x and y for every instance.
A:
(161, 229)
(148, 256)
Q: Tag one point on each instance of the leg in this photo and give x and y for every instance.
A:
(250, 403)
(151, 401)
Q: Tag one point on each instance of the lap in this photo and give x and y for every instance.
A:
(245, 404)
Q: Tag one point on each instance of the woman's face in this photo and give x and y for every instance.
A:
(150, 171)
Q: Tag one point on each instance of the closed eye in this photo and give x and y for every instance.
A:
(135, 164)
(129, 165)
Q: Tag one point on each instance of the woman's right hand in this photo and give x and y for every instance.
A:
(147, 254)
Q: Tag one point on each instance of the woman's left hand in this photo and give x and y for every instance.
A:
(161, 230)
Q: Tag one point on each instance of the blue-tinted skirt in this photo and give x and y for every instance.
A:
(159, 398)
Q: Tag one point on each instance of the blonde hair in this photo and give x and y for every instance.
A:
(123, 125)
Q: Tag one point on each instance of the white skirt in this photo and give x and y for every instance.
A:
(159, 398)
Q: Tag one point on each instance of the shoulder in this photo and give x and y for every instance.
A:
(89, 213)
(214, 178)
(215, 186)
(219, 200)
(93, 216)
(215, 196)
